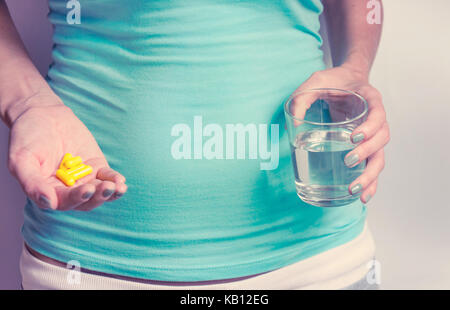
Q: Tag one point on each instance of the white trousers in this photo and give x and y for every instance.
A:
(344, 267)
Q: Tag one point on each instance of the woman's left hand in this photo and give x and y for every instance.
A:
(371, 136)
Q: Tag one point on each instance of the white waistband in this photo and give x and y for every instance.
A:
(333, 269)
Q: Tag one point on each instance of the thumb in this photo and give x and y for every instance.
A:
(26, 167)
(301, 101)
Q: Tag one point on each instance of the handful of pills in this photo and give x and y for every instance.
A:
(72, 169)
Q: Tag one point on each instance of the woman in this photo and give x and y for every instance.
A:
(120, 82)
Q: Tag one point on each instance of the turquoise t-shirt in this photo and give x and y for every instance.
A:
(159, 83)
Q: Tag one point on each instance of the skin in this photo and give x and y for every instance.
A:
(27, 103)
(353, 44)
(35, 155)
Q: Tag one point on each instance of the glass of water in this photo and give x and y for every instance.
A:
(319, 124)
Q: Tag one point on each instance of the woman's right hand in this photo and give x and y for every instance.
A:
(39, 138)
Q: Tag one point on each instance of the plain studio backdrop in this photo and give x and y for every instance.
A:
(410, 214)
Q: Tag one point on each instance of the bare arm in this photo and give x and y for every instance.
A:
(353, 40)
(19, 78)
(41, 133)
(353, 44)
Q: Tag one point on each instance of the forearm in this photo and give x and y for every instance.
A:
(353, 40)
(19, 78)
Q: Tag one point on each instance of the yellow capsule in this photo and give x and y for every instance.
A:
(64, 177)
(72, 162)
(75, 169)
(81, 172)
(65, 158)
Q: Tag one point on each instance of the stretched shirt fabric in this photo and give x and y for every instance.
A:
(134, 70)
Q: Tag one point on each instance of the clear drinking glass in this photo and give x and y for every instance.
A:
(319, 124)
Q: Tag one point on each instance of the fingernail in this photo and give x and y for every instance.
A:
(117, 195)
(44, 201)
(358, 137)
(351, 160)
(368, 198)
(356, 188)
(87, 195)
(107, 192)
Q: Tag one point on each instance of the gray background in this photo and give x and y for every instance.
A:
(410, 215)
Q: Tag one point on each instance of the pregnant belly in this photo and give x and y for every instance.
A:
(138, 116)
